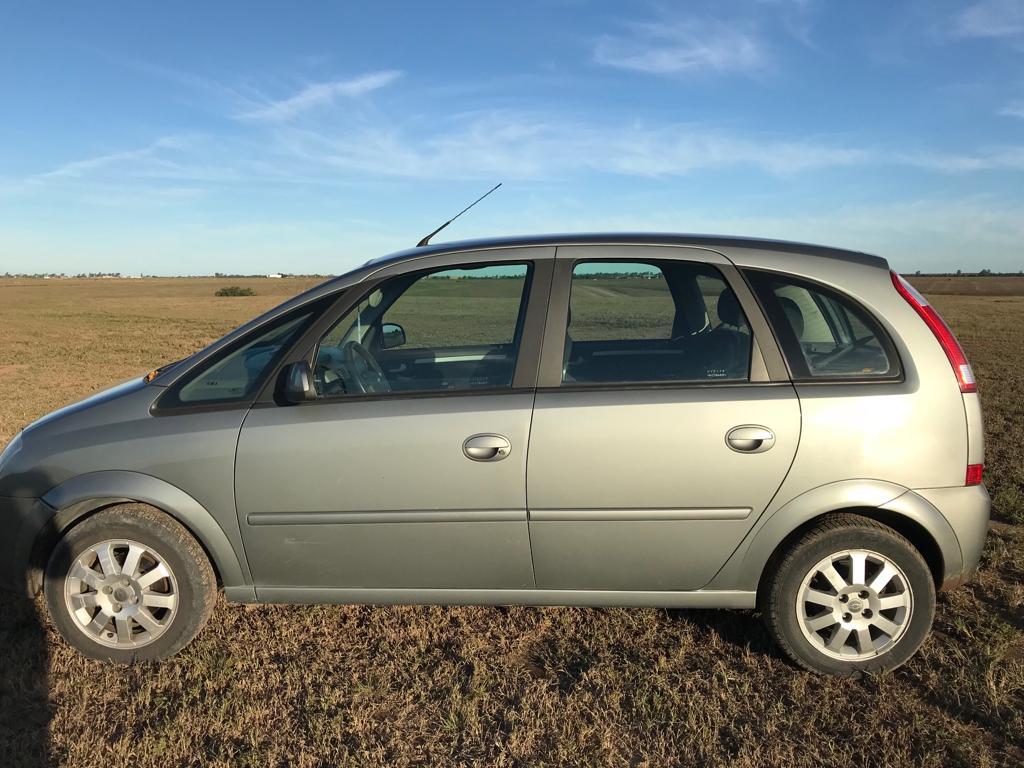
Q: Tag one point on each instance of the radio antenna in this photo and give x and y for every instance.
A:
(426, 240)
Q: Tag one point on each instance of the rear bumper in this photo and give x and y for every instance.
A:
(967, 511)
(21, 523)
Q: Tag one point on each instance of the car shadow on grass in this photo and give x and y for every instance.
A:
(739, 631)
(25, 710)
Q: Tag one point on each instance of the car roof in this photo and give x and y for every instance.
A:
(712, 242)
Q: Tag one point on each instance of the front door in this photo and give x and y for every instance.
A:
(408, 471)
(652, 451)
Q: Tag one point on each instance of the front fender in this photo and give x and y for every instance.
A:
(83, 494)
(744, 568)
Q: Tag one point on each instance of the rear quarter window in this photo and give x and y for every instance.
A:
(824, 333)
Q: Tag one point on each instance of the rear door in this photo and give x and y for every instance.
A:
(658, 436)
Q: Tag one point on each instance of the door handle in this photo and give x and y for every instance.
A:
(487, 447)
(750, 438)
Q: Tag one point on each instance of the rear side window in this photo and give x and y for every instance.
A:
(653, 322)
(824, 334)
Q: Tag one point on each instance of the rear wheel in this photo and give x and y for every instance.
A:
(850, 596)
(129, 584)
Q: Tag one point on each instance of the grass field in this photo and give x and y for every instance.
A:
(319, 686)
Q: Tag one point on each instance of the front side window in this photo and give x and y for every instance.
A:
(823, 333)
(235, 376)
(448, 330)
(653, 322)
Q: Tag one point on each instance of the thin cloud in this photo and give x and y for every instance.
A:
(319, 94)
(545, 146)
(1014, 109)
(168, 159)
(79, 168)
(682, 47)
(339, 147)
(530, 146)
(1009, 158)
(991, 18)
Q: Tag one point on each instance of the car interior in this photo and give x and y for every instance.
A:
(473, 346)
(701, 333)
(834, 338)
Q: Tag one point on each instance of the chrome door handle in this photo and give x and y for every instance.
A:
(487, 447)
(750, 438)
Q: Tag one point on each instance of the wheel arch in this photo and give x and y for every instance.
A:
(901, 509)
(81, 497)
(911, 530)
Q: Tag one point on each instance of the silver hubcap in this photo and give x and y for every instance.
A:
(121, 593)
(854, 604)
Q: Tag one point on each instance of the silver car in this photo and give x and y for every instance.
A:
(606, 420)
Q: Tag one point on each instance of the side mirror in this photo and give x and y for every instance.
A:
(391, 335)
(298, 383)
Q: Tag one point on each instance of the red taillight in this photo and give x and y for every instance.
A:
(955, 353)
(974, 473)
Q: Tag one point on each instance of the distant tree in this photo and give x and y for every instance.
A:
(235, 290)
(959, 272)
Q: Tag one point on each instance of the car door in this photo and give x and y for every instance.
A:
(408, 470)
(658, 434)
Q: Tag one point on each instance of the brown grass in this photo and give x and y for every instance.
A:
(971, 285)
(318, 686)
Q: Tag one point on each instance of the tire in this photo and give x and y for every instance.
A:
(148, 614)
(820, 621)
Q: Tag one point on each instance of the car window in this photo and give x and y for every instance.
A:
(445, 330)
(653, 321)
(826, 334)
(236, 375)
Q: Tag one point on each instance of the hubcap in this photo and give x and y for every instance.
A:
(121, 594)
(854, 604)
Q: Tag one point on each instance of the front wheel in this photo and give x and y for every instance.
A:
(850, 596)
(129, 584)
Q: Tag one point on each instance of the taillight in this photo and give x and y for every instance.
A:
(955, 353)
(974, 473)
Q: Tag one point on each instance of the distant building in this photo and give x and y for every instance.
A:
(275, 275)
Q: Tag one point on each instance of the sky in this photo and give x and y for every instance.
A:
(255, 137)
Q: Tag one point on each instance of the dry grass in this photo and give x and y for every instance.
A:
(318, 686)
(971, 285)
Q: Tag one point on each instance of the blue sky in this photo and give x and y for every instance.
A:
(188, 138)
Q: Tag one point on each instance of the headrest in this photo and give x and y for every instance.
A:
(729, 308)
(796, 317)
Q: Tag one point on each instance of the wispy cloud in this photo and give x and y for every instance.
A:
(680, 47)
(79, 168)
(1006, 158)
(991, 18)
(169, 158)
(494, 144)
(539, 146)
(1013, 109)
(320, 94)
(290, 142)
(520, 145)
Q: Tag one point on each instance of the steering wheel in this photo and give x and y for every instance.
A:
(366, 372)
(838, 354)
